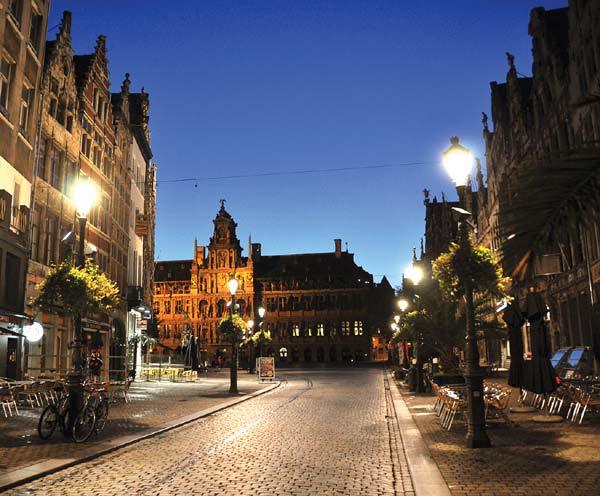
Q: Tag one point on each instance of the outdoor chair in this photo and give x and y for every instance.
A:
(496, 400)
(7, 399)
(453, 402)
(31, 394)
(121, 388)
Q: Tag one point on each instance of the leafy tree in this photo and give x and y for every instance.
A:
(466, 266)
(76, 290)
(232, 329)
(434, 327)
(550, 201)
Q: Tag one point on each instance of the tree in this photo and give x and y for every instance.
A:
(434, 326)
(232, 329)
(76, 290)
(550, 201)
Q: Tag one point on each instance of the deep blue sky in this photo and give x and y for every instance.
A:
(255, 87)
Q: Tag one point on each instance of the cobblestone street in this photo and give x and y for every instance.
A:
(320, 432)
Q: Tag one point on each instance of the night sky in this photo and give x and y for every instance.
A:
(315, 120)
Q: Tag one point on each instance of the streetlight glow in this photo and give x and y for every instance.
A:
(402, 304)
(458, 162)
(415, 274)
(233, 285)
(396, 318)
(84, 197)
(261, 312)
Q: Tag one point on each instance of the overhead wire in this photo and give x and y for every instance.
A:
(290, 172)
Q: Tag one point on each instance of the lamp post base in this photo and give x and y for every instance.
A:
(478, 441)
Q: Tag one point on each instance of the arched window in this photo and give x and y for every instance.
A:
(203, 308)
(221, 306)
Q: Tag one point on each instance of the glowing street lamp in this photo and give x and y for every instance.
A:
(84, 198)
(458, 161)
(261, 315)
(402, 304)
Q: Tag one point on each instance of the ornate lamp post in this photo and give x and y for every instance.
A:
(402, 305)
(233, 287)
(458, 162)
(250, 345)
(261, 314)
(84, 198)
(415, 274)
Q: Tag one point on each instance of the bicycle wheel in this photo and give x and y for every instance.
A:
(101, 415)
(63, 413)
(48, 422)
(84, 424)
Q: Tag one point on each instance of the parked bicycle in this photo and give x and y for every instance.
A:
(54, 415)
(92, 418)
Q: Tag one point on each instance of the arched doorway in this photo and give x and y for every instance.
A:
(320, 354)
(346, 354)
(295, 355)
(333, 354)
(283, 355)
(308, 354)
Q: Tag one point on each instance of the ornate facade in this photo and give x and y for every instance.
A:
(22, 29)
(556, 111)
(86, 131)
(320, 307)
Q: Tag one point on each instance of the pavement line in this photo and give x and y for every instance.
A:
(424, 472)
(27, 474)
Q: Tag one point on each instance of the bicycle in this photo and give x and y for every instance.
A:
(92, 418)
(53, 415)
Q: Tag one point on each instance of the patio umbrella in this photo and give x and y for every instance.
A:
(539, 376)
(514, 320)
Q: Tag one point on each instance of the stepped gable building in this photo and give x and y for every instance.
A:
(556, 111)
(87, 132)
(22, 27)
(320, 307)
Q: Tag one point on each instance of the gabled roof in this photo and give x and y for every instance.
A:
(313, 266)
(83, 66)
(173, 270)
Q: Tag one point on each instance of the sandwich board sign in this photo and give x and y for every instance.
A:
(266, 368)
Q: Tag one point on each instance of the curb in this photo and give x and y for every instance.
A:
(424, 472)
(49, 466)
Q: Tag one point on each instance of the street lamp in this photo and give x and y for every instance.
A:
(458, 161)
(261, 314)
(415, 274)
(233, 287)
(402, 304)
(84, 197)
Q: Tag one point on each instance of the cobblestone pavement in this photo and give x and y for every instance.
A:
(320, 433)
(527, 459)
(152, 405)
